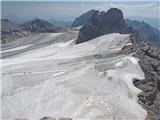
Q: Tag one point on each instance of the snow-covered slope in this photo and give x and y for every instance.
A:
(84, 81)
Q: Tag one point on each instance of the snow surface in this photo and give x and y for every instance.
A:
(14, 49)
(84, 81)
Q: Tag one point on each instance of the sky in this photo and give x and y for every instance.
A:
(69, 10)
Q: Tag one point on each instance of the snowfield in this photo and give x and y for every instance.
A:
(61, 79)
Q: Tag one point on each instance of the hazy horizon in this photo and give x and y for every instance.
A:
(68, 11)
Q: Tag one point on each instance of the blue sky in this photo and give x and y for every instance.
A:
(69, 10)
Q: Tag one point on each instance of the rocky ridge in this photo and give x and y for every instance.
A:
(80, 21)
(97, 23)
(11, 31)
(149, 60)
(149, 55)
(144, 31)
(101, 23)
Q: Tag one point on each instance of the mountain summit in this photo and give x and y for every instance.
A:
(80, 21)
(112, 21)
(101, 23)
(38, 25)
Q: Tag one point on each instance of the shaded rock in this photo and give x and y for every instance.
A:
(21, 119)
(101, 23)
(50, 118)
(144, 31)
(97, 23)
(149, 62)
(65, 119)
(80, 21)
(47, 118)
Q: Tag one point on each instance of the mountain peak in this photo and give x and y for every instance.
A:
(38, 25)
(101, 23)
(5, 20)
(38, 21)
(82, 18)
(112, 21)
(115, 13)
(114, 10)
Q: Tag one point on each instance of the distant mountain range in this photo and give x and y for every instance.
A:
(144, 31)
(97, 23)
(154, 22)
(60, 23)
(38, 25)
(94, 24)
(10, 31)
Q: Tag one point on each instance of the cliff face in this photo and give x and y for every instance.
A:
(80, 21)
(101, 23)
(97, 23)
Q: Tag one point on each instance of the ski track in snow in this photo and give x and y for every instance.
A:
(84, 81)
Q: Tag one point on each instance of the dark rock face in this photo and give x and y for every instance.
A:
(47, 118)
(80, 21)
(101, 23)
(98, 23)
(50, 118)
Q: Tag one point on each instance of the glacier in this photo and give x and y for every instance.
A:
(90, 80)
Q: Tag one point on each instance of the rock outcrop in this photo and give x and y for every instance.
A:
(50, 118)
(101, 23)
(47, 118)
(93, 20)
(80, 21)
(149, 60)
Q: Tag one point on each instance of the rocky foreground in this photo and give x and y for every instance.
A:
(149, 56)
(112, 21)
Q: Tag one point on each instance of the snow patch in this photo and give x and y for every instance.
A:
(65, 81)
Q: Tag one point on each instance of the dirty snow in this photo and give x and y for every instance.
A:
(84, 81)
